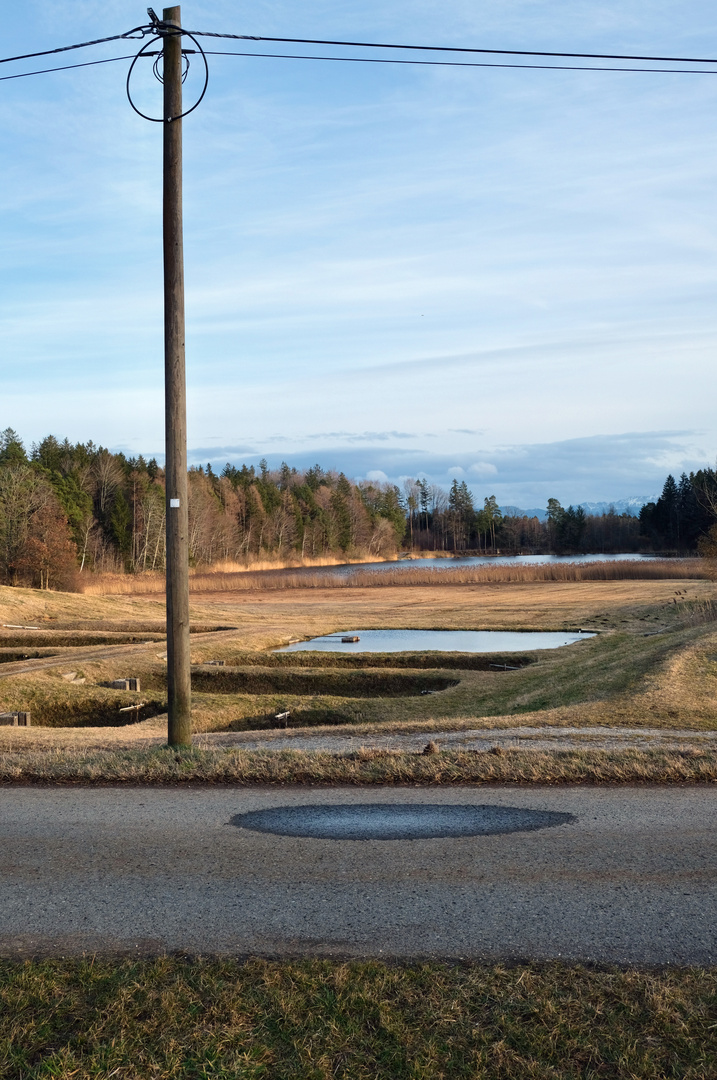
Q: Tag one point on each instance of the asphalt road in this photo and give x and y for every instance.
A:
(623, 875)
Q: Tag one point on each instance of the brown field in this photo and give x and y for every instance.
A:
(653, 665)
(266, 618)
(269, 620)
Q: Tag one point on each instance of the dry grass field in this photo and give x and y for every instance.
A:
(654, 664)
(529, 602)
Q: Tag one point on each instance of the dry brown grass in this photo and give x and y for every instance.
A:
(624, 677)
(271, 618)
(152, 581)
(230, 577)
(162, 765)
(180, 1017)
(59, 610)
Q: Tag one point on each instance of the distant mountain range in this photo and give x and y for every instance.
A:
(632, 505)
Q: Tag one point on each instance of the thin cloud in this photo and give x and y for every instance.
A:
(365, 436)
(592, 469)
(399, 255)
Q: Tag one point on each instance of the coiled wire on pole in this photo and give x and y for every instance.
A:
(163, 30)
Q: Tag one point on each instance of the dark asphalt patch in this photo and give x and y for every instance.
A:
(396, 821)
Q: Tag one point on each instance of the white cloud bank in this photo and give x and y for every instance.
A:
(388, 269)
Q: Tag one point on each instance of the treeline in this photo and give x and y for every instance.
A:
(66, 509)
(450, 521)
(70, 509)
(684, 515)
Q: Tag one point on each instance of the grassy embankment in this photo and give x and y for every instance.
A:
(181, 1018)
(655, 666)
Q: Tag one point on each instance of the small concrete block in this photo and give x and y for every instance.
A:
(8, 719)
(23, 719)
(70, 676)
(119, 684)
(133, 684)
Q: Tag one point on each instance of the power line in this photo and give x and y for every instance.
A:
(380, 60)
(137, 31)
(452, 48)
(142, 31)
(67, 67)
(463, 63)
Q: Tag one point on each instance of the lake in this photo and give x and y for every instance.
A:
(453, 561)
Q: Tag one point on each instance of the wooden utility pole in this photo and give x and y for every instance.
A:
(179, 732)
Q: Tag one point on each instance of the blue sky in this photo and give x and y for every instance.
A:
(506, 276)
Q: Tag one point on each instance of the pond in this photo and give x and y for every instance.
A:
(467, 641)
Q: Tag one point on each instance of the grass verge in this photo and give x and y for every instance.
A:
(318, 1019)
(364, 766)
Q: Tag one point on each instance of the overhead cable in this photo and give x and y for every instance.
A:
(463, 49)
(138, 31)
(382, 60)
(464, 63)
(143, 31)
(66, 67)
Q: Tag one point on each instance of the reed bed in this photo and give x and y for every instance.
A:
(232, 581)
(637, 570)
(232, 566)
(698, 612)
(152, 581)
(148, 583)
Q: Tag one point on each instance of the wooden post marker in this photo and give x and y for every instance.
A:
(179, 728)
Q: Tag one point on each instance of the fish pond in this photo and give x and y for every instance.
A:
(467, 641)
